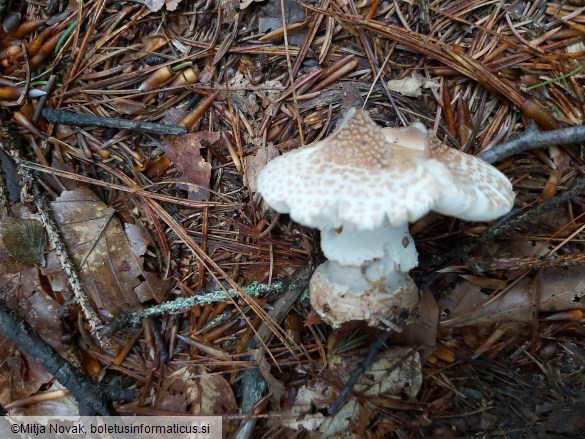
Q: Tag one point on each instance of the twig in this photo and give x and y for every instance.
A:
(43, 100)
(54, 236)
(4, 195)
(533, 140)
(64, 117)
(115, 393)
(291, 75)
(252, 384)
(64, 258)
(359, 371)
(181, 304)
(464, 249)
(529, 263)
(91, 397)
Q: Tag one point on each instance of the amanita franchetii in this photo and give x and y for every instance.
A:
(360, 187)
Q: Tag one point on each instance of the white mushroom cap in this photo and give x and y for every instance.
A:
(364, 176)
(481, 192)
(362, 186)
(349, 179)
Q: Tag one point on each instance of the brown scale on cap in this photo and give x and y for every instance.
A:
(473, 176)
(359, 143)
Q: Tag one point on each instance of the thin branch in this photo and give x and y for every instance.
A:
(533, 140)
(4, 195)
(91, 397)
(64, 117)
(507, 225)
(182, 304)
(358, 372)
(528, 262)
(66, 262)
(253, 385)
(53, 233)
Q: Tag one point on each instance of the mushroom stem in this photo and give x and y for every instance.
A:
(366, 276)
(350, 246)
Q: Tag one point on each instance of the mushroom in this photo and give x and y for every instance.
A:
(360, 187)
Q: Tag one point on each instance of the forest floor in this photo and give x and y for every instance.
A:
(102, 220)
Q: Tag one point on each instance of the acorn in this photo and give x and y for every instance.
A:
(24, 239)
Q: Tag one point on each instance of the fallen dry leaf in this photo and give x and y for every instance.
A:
(21, 288)
(25, 239)
(315, 394)
(342, 425)
(561, 289)
(241, 99)
(394, 372)
(110, 268)
(245, 3)
(172, 4)
(191, 390)
(254, 164)
(423, 331)
(20, 375)
(184, 152)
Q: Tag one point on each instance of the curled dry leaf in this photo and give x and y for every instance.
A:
(245, 3)
(184, 152)
(172, 4)
(109, 264)
(241, 99)
(344, 424)
(153, 5)
(560, 290)
(396, 372)
(316, 394)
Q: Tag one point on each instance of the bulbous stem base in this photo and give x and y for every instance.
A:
(341, 293)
